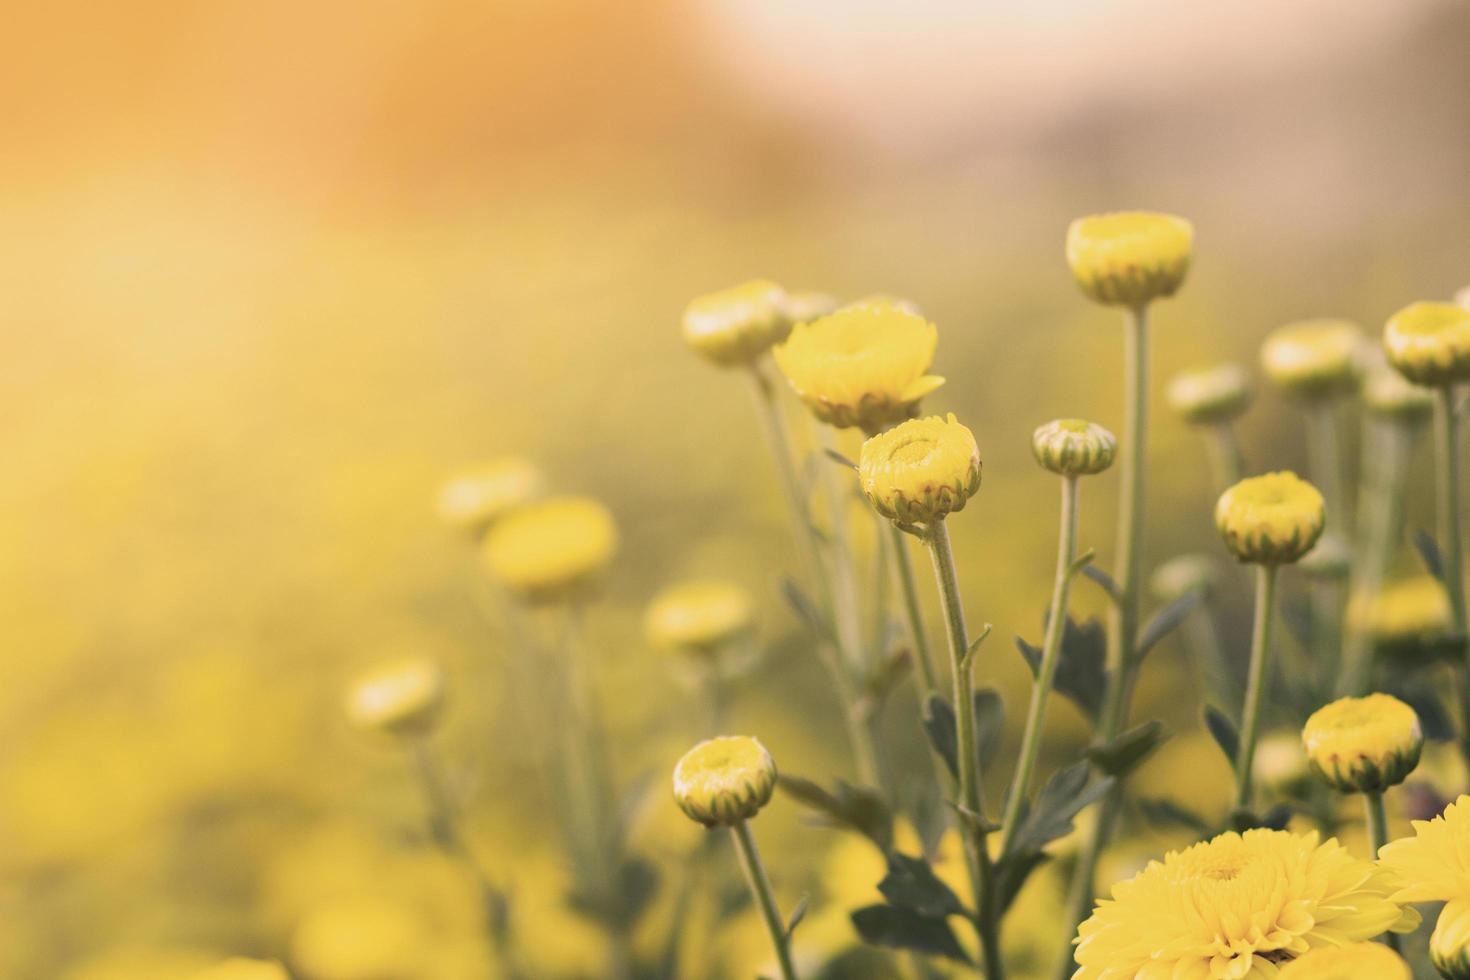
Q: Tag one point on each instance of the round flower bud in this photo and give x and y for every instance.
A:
(1429, 343)
(1209, 396)
(865, 365)
(1129, 258)
(1449, 946)
(1404, 617)
(472, 500)
(1332, 558)
(1280, 764)
(1354, 961)
(240, 968)
(402, 698)
(735, 326)
(1390, 395)
(1074, 447)
(921, 470)
(723, 781)
(699, 616)
(1360, 745)
(1314, 358)
(1270, 520)
(1185, 575)
(806, 307)
(553, 549)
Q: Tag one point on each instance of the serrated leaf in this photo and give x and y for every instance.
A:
(857, 808)
(1222, 730)
(887, 925)
(912, 884)
(1165, 814)
(1104, 580)
(939, 725)
(1429, 553)
(1128, 751)
(1166, 620)
(811, 617)
(1081, 672)
(798, 913)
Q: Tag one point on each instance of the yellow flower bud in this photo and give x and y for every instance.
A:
(1207, 396)
(1332, 558)
(1389, 394)
(725, 780)
(921, 470)
(699, 616)
(402, 698)
(1365, 744)
(1315, 358)
(865, 365)
(1185, 575)
(1404, 611)
(1270, 520)
(1355, 961)
(553, 549)
(1074, 447)
(735, 326)
(808, 306)
(240, 968)
(1449, 946)
(1129, 258)
(472, 500)
(1429, 343)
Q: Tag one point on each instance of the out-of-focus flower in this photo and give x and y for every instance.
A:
(1403, 612)
(1355, 961)
(1330, 558)
(1429, 343)
(722, 781)
(1449, 945)
(1280, 763)
(1074, 447)
(886, 301)
(1235, 906)
(1314, 358)
(1272, 519)
(864, 365)
(1129, 258)
(1434, 864)
(240, 968)
(807, 306)
(701, 617)
(363, 938)
(1389, 394)
(1185, 575)
(553, 549)
(1211, 395)
(920, 471)
(735, 326)
(1367, 744)
(473, 499)
(402, 698)
(142, 963)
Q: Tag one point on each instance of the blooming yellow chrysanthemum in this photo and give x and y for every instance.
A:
(1429, 343)
(1314, 358)
(735, 326)
(1355, 961)
(921, 470)
(240, 968)
(551, 549)
(1129, 258)
(1363, 744)
(401, 698)
(1434, 864)
(865, 365)
(1074, 447)
(1407, 610)
(1272, 519)
(698, 616)
(1236, 908)
(472, 500)
(1206, 396)
(725, 780)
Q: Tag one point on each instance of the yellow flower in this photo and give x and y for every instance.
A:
(921, 470)
(1074, 447)
(1449, 946)
(240, 968)
(401, 698)
(1405, 611)
(552, 549)
(1208, 396)
(1270, 520)
(1355, 961)
(865, 365)
(1363, 744)
(361, 938)
(722, 781)
(1434, 864)
(1314, 358)
(735, 326)
(1429, 343)
(698, 616)
(1235, 907)
(1129, 258)
(472, 500)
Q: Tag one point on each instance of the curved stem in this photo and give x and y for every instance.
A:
(1255, 691)
(1445, 426)
(760, 887)
(1051, 649)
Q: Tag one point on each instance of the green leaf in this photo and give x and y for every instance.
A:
(1429, 553)
(1060, 800)
(1128, 751)
(1104, 580)
(858, 808)
(1081, 676)
(990, 724)
(798, 913)
(888, 925)
(1165, 814)
(939, 725)
(1222, 729)
(912, 884)
(1165, 621)
(840, 459)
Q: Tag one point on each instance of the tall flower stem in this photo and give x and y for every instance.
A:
(1377, 837)
(1051, 649)
(967, 756)
(845, 606)
(1447, 437)
(1256, 683)
(1386, 448)
(760, 887)
(913, 609)
(1225, 459)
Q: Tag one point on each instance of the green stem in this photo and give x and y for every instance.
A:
(1256, 683)
(1051, 650)
(1378, 836)
(1446, 435)
(913, 610)
(972, 817)
(760, 887)
(1225, 457)
(845, 607)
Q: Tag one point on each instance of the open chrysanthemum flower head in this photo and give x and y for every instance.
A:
(735, 326)
(552, 549)
(401, 698)
(472, 500)
(241, 968)
(1429, 343)
(1236, 908)
(1210, 395)
(1129, 258)
(1315, 358)
(1074, 447)
(920, 471)
(1355, 961)
(700, 616)
(865, 365)
(1272, 519)
(1366, 744)
(1434, 864)
(723, 781)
